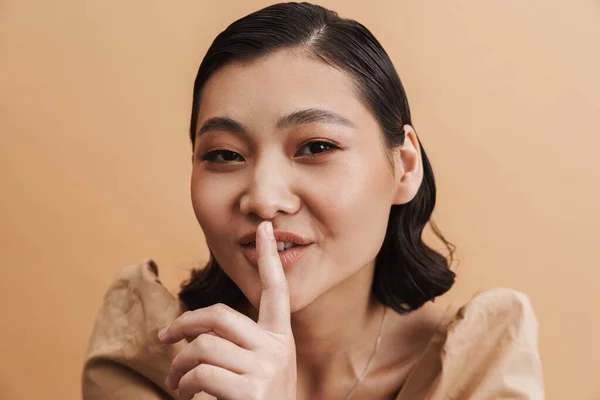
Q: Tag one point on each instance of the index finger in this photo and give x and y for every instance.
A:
(274, 312)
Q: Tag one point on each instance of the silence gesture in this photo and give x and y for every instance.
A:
(230, 356)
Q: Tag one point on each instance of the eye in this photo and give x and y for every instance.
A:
(315, 148)
(222, 156)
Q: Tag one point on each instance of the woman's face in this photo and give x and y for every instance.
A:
(284, 138)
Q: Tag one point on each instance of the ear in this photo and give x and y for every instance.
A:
(409, 167)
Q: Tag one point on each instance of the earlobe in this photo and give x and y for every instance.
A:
(409, 167)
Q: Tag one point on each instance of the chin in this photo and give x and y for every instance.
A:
(300, 299)
(297, 304)
(297, 301)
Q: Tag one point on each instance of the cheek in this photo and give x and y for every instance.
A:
(211, 200)
(354, 209)
(214, 203)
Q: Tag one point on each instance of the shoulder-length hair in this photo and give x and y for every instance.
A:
(408, 273)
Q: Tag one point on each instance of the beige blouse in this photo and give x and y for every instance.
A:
(485, 350)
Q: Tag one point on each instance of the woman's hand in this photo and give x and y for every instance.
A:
(231, 357)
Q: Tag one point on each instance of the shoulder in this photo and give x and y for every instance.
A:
(491, 349)
(136, 302)
(124, 350)
(492, 318)
(486, 349)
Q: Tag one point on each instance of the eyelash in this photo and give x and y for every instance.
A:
(210, 156)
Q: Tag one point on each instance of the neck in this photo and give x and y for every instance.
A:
(335, 335)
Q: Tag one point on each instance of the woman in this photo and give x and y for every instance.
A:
(312, 190)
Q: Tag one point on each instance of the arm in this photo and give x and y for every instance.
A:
(124, 359)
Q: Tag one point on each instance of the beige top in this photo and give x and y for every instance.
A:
(485, 350)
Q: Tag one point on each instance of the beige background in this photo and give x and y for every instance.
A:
(94, 161)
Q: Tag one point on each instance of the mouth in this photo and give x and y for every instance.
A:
(281, 246)
(285, 240)
(290, 247)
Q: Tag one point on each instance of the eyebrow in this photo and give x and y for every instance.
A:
(307, 116)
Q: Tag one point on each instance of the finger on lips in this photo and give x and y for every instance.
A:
(222, 340)
(274, 313)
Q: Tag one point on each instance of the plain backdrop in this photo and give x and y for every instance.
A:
(95, 100)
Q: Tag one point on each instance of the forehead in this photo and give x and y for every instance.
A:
(274, 85)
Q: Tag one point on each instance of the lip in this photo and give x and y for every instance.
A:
(280, 236)
(287, 257)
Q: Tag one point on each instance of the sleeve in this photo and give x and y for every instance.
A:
(491, 351)
(124, 359)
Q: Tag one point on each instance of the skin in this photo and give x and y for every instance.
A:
(337, 196)
(239, 358)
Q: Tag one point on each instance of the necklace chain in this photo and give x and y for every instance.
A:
(364, 373)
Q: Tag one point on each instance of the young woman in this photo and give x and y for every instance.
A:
(312, 189)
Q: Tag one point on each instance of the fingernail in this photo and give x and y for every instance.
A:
(269, 231)
(162, 332)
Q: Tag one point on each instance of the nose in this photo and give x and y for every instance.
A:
(269, 191)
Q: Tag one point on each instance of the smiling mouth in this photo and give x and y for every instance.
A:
(288, 256)
(281, 246)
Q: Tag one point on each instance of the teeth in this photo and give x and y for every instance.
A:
(281, 246)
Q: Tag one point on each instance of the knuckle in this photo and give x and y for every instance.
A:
(203, 342)
(199, 375)
(220, 310)
(193, 381)
(182, 319)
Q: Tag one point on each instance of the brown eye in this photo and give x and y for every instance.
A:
(222, 156)
(315, 148)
